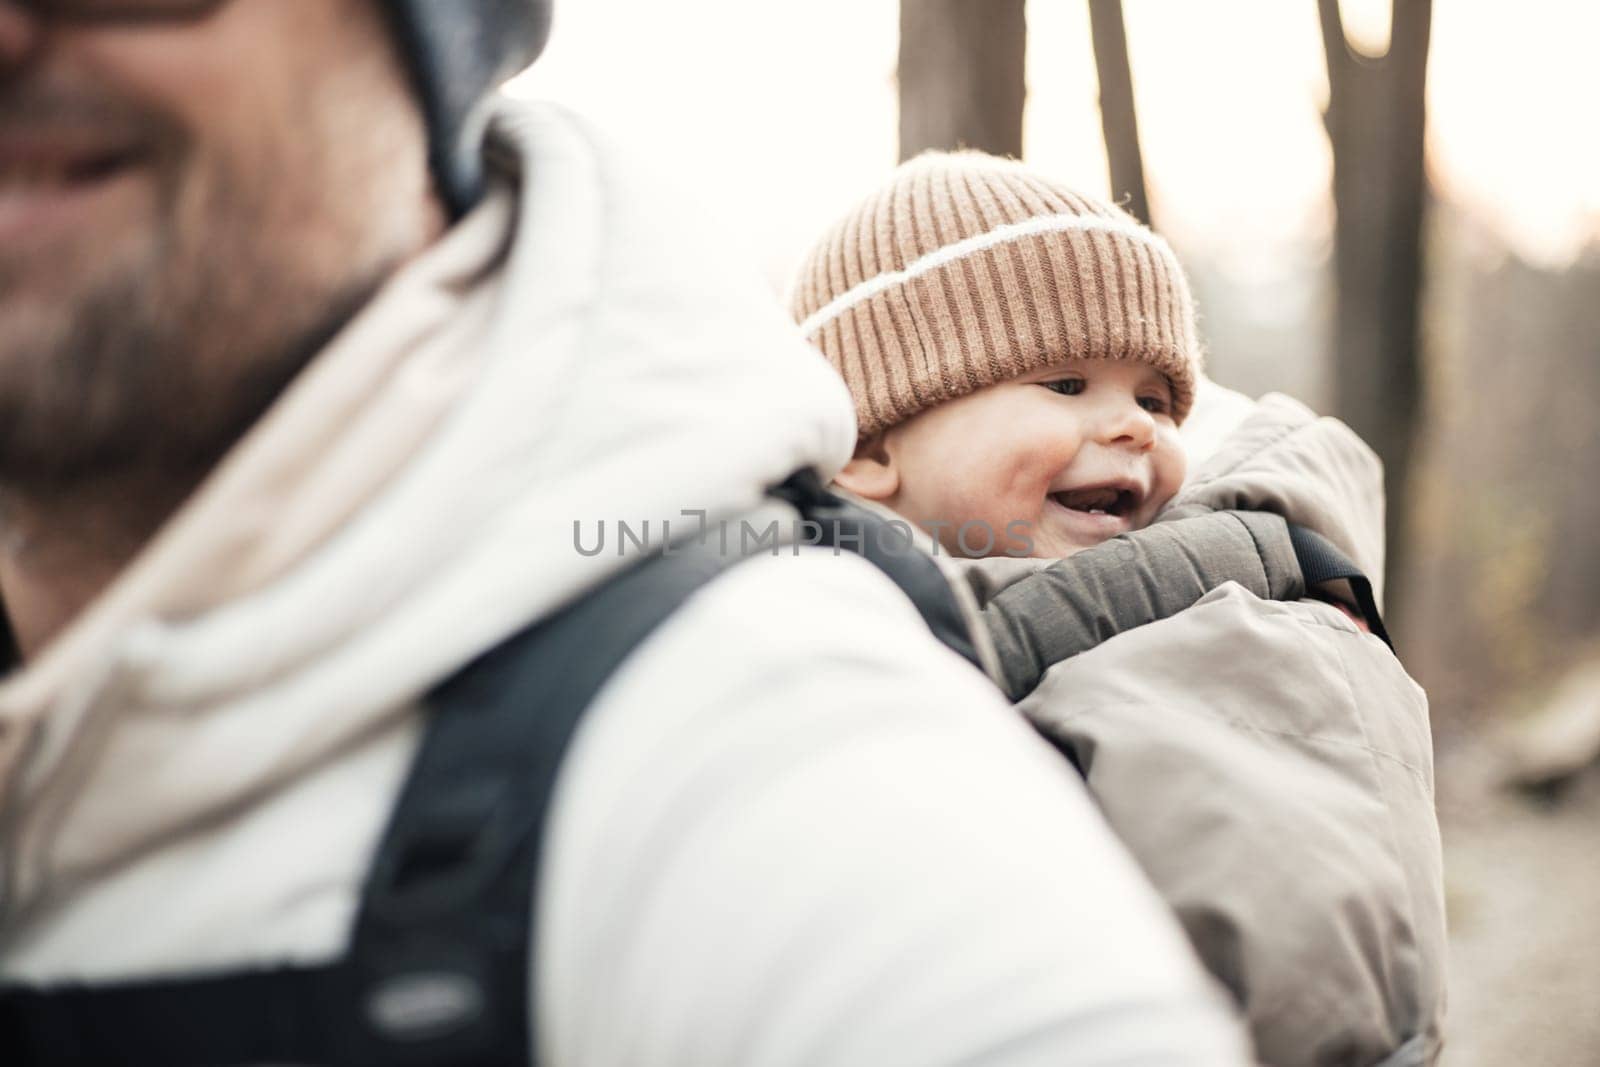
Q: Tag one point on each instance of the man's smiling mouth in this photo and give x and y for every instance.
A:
(49, 185)
(35, 172)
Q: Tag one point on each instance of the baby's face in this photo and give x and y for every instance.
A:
(1079, 453)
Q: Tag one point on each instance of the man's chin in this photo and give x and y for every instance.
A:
(37, 316)
(47, 305)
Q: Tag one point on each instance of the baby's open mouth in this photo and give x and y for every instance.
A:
(1102, 501)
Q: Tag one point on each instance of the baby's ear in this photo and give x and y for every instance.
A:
(871, 473)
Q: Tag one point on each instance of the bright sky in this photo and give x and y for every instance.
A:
(778, 116)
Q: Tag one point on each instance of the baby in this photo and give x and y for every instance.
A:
(1021, 358)
(1020, 380)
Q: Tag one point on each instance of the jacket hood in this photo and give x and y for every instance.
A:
(572, 352)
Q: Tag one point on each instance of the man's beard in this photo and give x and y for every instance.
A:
(159, 375)
(148, 357)
(161, 362)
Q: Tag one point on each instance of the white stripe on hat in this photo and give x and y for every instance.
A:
(1011, 231)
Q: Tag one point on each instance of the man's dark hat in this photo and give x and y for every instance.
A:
(459, 52)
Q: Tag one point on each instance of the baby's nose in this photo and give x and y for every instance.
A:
(1129, 425)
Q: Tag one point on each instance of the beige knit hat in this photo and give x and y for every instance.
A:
(966, 270)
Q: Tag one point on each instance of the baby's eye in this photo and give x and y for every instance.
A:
(1155, 405)
(1065, 386)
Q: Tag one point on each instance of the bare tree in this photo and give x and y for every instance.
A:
(1375, 122)
(961, 75)
(1118, 118)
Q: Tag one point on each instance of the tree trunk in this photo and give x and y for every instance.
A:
(961, 75)
(1118, 117)
(1375, 121)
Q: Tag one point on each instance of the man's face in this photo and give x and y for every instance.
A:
(188, 208)
(1079, 453)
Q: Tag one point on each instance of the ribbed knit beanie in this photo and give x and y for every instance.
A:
(458, 52)
(966, 270)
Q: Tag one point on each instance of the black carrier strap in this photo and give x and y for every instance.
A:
(439, 965)
(1320, 561)
(845, 527)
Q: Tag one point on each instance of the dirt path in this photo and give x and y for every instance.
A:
(1523, 887)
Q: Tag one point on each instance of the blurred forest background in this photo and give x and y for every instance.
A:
(1390, 210)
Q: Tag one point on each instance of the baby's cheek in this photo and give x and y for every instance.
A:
(975, 516)
(1020, 494)
(976, 504)
(1171, 464)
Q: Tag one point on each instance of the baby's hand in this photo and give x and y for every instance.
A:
(1350, 613)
